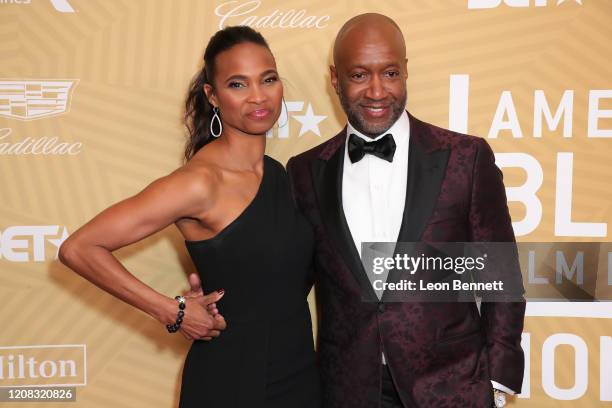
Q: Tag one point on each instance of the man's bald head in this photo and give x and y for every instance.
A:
(369, 72)
(367, 26)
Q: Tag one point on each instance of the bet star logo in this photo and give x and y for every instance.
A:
(29, 243)
(309, 121)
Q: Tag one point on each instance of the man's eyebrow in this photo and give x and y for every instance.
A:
(360, 66)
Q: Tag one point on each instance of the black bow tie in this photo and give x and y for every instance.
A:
(383, 148)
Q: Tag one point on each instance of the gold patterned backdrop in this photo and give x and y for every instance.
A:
(91, 95)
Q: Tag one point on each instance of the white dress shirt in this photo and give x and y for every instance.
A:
(374, 193)
(374, 190)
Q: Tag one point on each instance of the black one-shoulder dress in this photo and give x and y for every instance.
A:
(263, 260)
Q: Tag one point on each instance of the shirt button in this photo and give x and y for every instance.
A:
(381, 307)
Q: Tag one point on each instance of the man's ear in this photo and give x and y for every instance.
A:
(210, 95)
(334, 77)
(406, 67)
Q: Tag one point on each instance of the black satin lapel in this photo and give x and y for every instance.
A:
(327, 176)
(425, 175)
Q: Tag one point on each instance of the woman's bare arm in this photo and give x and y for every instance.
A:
(88, 251)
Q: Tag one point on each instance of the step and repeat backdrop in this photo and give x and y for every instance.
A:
(91, 98)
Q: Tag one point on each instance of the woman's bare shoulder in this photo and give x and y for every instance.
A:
(197, 179)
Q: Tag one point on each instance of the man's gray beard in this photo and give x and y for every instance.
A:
(360, 124)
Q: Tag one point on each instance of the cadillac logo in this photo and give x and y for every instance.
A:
(34, 99)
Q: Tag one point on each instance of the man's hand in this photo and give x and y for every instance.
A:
(198, 322)
(196, 291)
(195, 286)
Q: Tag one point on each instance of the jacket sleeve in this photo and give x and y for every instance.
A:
(489, 221)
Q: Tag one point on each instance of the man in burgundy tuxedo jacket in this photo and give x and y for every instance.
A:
(393, 354)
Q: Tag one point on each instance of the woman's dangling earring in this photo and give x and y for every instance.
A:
(216, 116)
(286, 114)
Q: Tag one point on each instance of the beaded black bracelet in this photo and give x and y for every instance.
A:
(173, 328)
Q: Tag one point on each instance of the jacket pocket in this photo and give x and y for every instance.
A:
(458, 337)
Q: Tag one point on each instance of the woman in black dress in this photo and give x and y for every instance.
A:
(232, 204)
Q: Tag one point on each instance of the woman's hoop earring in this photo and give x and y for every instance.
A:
(216, 116)
(286, 113)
